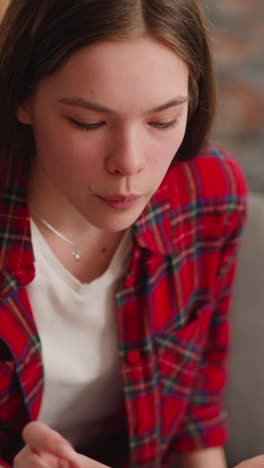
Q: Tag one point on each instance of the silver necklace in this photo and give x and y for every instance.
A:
(76, 249)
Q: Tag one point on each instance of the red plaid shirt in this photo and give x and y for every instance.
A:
(172, 313)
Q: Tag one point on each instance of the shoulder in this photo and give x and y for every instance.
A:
(206, 196)
(213, 174)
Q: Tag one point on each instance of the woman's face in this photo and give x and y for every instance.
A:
(107, 126)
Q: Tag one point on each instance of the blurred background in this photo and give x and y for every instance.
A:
(237, 28)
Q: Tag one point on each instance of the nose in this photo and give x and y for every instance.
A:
(126, 157)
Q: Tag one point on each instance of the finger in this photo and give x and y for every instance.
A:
(42, 438)
(256, 462)
(64, 464)
(26, 458)
(86, 462)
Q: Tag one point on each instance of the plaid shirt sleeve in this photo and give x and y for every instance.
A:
(205, 421)
(3, 464)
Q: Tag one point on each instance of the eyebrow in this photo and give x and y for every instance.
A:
(90, 105)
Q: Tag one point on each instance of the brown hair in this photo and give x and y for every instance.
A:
(37, 37)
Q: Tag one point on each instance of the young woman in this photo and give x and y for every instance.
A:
(119, 235)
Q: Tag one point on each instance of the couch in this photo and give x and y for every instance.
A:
(245, 390)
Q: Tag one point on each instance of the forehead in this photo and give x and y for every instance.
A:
(142, 71)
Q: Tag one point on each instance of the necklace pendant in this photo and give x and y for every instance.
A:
(76, 254)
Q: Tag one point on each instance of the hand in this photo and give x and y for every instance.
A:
(46, 448)
(256, 462)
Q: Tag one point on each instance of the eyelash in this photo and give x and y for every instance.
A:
(94, 126)
(164, 126)
(86, 127)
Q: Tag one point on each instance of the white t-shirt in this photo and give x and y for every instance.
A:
(77, 327)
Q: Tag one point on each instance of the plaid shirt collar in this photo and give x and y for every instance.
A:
(152, 230)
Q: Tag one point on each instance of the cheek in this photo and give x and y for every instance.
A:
(164, 152)
(50, 141)
(61, 147)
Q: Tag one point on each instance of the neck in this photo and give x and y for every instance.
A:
(50, 204)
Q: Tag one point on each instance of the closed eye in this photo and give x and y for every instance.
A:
(86, 126)
(95, 125)
(164, 125)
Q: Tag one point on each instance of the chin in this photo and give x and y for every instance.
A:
(116, 223)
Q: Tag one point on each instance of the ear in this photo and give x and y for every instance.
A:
(24, 113)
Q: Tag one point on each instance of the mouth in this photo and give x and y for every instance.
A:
(120, 201)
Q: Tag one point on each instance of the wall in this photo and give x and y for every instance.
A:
(238, 42)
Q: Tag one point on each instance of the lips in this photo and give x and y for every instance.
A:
(120, 201)
(120, 198)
